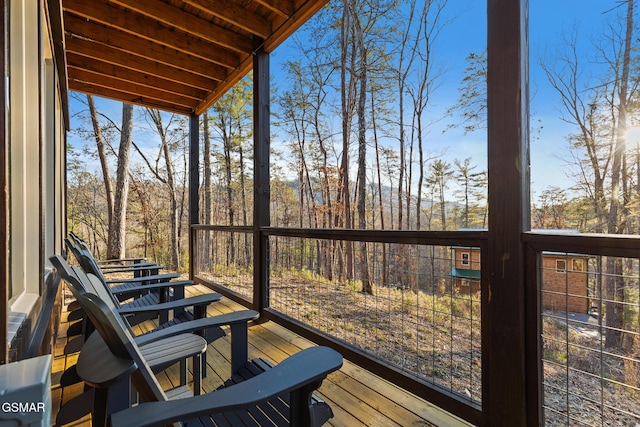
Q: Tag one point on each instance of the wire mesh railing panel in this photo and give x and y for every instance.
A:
(225, 258)
(590, 329)
(406, 305)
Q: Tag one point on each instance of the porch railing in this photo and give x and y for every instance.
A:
(397, 304)
(387, 300)
(588, 328)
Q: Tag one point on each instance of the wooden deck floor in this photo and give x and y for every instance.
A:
(357, 397)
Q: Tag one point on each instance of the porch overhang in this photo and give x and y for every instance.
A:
(174, 55)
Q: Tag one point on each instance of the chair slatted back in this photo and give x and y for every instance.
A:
(111, 327)
(85, 259)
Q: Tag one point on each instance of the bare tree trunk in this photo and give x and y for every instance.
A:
(117, 227)
(226, 142)
(146, 215)
(402, 82)
(175, 218)
(169, 181)
(208, 219)
(384, 264)
(243, 198)
(362, 151)
(97, 131)
(346, 95)
(615, 281)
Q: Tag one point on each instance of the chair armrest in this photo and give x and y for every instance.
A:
(161, 277)
(236, 317)
(237, 321)
(149, 287)
(114, 260)
(131, 267)
(307, 367)
(172, 305)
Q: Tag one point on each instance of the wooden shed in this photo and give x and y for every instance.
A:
(564, 282)
(466, 270)
(564, 278)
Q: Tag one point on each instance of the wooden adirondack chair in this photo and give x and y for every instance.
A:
(279, 395)
(124, 288)
(209, 327)
(105, 262)
(147, 291)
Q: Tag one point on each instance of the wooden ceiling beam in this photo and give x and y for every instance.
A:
(135, 90)
(142, 26)
(142, 47)
(176, 55)
(284, 8)
(176, 17)
(225, 85)
(83, 87)
(96, 66)
(92, 50)
(305, 9)
(229, 11)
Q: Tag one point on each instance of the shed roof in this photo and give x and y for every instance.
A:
(465, 273)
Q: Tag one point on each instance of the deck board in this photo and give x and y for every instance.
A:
(357, 396)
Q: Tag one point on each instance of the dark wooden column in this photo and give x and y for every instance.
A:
(194, 187)
(261, 190)
(503, 337)
(4, 196)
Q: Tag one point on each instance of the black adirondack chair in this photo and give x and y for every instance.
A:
(209, 327)
(257, 393)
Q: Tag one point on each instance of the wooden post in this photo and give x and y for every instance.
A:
(503, 335)
(194, 187)
(261, 191)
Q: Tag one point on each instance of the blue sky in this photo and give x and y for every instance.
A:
(549, 20)
(466, 33)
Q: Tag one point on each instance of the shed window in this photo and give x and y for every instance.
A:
(465, 258)
(577, 264)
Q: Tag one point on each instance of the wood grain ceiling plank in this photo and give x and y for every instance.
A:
(178, 18)
(84, 87)
(150, 29)
(114, 56)
(127, 86)
(142, 47)
(284, 8)
(136, 77)
(229, 11)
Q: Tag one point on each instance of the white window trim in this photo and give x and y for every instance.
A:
(468, 260)
(24, 134)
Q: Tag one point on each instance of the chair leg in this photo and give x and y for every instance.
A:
(100, 404)
(121, 396)
(197, 374)
(183, 372)
(203, 371)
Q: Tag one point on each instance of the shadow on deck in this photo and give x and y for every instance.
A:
(357, 397)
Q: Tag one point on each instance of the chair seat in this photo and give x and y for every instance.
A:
(163, 353)
(111, 369)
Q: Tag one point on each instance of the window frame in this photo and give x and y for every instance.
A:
(462, 258)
